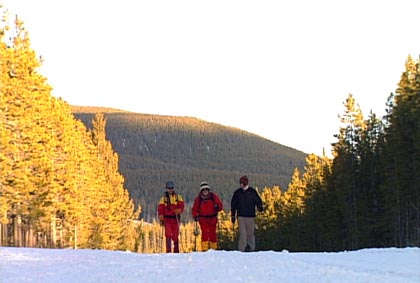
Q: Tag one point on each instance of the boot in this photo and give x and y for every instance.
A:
(204, 246)
(168, 245)
(176, 247)
(213, 245)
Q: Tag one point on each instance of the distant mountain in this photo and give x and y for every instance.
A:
(154, 148)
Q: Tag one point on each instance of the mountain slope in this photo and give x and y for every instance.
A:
(155, 148)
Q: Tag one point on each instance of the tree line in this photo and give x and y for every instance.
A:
(61, 187)
(368, 194)
(59, 182)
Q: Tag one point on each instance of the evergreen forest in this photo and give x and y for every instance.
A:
(63, 185)
(153, 149)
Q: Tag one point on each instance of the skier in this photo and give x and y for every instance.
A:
(170, 207)
(243, 203)
(205, 208)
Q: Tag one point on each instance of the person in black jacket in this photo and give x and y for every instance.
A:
(243, 203)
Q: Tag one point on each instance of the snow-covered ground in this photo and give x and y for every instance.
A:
(52, 265)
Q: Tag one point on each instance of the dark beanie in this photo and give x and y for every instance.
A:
(244, 180)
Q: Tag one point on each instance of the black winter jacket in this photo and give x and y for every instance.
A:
(243, 202)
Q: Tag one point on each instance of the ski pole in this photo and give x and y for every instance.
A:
(196, 233)
(219, 234)
(235, 231)
(195, 237)
(180, 244)
(161, 238)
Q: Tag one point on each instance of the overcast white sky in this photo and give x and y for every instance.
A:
(279, 69)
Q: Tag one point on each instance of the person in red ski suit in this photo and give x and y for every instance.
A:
(170, 207)
(205, 208)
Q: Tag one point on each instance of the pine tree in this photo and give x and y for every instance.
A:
(292, 213)
(116, 210)
(27, 182)
(370, 197)
(268, 223)
(402, 159)
(346, 170)
(320, 216)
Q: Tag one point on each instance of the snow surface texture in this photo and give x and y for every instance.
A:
(52, 265)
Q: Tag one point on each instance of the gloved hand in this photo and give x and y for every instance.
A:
(197, 218)
(233, 218)
(161, 220)
(177, 211)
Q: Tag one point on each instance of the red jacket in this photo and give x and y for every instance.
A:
(206, 207)
(169, 204)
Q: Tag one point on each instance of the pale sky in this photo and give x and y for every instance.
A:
(279, 69)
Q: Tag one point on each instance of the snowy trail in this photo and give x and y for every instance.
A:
(370, 265)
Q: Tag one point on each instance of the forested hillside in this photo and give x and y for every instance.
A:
(154, 148)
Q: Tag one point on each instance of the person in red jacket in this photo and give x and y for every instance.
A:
(205, 208)
(170, 207)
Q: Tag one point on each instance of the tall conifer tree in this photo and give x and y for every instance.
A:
(346, 168)
(402, 157)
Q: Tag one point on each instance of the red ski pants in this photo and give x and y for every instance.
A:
(208, 229)
(171, 233)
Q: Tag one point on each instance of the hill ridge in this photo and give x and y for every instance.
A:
(155, 148)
